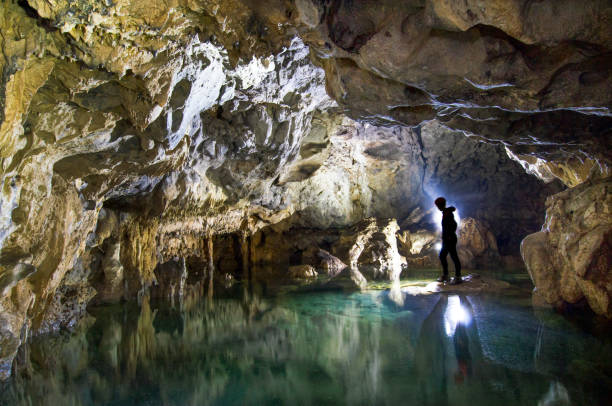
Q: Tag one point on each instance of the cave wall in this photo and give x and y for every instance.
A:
(570, 259)
(397, 172)
(534, 75)
(126, 124)
(105, 105)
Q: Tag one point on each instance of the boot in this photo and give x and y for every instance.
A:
(443, 278)
(456, 280)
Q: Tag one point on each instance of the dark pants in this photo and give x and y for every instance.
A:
(450, 247)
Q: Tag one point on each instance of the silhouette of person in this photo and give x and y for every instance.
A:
(449, 242)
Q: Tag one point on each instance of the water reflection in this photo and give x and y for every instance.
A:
(456, 315)
(366, 348)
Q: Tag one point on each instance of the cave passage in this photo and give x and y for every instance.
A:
(232, 202)
(319, 348)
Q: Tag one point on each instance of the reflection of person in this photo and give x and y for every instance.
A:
(462, 349)
(431, 358)
(449, 326)
(449, 242)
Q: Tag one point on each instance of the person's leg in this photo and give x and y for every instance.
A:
(452, 250)
(443, 261)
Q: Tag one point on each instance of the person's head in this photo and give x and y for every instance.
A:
(440, 202)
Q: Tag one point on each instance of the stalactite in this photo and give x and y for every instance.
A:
(183, 279)
(245, 252)
(250, 256)
(177, 291)
(246, 263)
(211, 265)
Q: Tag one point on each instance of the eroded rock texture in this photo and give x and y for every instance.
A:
(533, 74)
(570, 259)
(150, 116)
(368, 171)
(166, 147)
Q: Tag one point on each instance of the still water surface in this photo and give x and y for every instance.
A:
(319, 348)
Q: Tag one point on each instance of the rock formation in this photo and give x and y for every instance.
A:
(477, 247)
(535, 75)
(570, 259)
(162, 147)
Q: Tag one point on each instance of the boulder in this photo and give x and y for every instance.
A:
(419, 248)
(476, 245)
(302, 272)
(571, 258)
(330, 264)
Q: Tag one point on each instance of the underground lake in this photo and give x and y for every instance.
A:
(370, 347)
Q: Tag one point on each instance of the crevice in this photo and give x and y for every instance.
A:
(417, 132)
(32, 13)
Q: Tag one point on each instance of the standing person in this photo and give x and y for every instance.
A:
(449, 242)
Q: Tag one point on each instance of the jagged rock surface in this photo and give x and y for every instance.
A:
(571, 258)
(476, 247)
(370, 247)
(369, 171)
(148, 115)
(532, 74)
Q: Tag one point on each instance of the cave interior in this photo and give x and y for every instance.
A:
(183, 164)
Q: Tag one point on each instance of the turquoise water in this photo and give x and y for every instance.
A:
(319, 348)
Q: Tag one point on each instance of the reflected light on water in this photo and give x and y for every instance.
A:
(455, 314)
(315, 348)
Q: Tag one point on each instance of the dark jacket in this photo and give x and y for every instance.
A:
(449, 225)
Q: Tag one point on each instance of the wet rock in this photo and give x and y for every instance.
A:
(302, 272)
(541, 269)
(419, 248)
(69, 303)
(472, 283)
(348, 279)
(570, 258)
(14, 324)
(330, 264)
(371, 247)
(476, 245)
